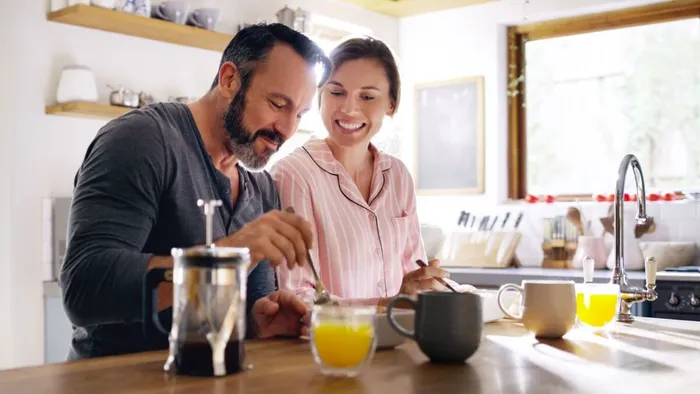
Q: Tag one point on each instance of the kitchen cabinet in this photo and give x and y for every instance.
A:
(57, 328)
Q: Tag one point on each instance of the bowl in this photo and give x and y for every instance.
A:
(489, 304)
(669, 254)
(387, 337)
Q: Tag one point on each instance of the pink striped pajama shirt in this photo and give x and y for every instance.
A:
(361, 250)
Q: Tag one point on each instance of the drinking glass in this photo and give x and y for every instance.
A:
(597, 304)
(343, 338)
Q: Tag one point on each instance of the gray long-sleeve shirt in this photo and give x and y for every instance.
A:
(135, 197)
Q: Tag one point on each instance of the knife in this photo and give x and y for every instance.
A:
(466, 218)
(503, 225)
(495, 220)
(517, 221)
(484, 223)
(461, 218)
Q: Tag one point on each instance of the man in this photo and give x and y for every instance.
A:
(136, 194)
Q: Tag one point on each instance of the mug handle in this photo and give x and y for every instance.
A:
(503, 288)
(392, 321)
(151, 321)
(158, 11)
(193, 18)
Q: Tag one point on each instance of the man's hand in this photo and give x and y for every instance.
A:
(276, 236)
(424, 279)
(281, 313)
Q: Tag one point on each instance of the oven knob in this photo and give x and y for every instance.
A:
(674, 300)
(694, 301)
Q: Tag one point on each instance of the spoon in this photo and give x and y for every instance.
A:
(322, 295)
(421, 263)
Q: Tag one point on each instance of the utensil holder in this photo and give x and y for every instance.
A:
(558, 253)
(559, 243)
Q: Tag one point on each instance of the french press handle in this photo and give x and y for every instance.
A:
(152, 325)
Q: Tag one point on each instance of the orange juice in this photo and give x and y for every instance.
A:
(596, 309)
(343, 345)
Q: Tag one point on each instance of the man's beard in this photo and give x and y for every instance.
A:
(243, 140)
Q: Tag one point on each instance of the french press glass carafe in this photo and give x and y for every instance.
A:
(209, 306)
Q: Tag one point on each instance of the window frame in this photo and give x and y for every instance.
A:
(518, 35)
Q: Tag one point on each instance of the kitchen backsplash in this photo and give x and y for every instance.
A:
(675, 221)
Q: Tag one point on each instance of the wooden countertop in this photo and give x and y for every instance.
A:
(648, 356)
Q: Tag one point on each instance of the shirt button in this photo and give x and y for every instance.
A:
(378, 251)
(371, 217)
(227, 191)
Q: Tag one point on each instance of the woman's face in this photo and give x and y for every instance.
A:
(354, 102)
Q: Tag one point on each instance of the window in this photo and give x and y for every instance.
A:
(586, 91)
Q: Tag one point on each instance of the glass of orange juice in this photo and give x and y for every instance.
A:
(597, 304)
(343, 338)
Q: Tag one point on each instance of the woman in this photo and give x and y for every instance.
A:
(359, 200)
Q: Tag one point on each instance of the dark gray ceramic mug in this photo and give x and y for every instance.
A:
(448, 326)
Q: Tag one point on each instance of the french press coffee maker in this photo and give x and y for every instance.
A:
(209, 306)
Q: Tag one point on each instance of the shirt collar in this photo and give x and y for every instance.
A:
(321, 154)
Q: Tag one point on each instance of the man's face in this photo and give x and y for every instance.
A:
(261, 118)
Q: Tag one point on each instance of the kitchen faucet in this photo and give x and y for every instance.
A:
(630, 294)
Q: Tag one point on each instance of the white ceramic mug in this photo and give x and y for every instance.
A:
(548, 306)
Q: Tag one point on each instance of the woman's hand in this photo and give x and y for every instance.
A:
(424, 278)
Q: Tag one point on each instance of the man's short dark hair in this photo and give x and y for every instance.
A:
(251, 45)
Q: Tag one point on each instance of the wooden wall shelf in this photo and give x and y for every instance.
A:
(85, 109)
(139, 26)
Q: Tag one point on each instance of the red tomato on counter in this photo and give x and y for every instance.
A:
(549, 198)
(653, 197)
(599, 197)
(531, 199)
(669, 196)
(611, 197)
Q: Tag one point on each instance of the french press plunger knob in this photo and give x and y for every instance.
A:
(209, 207)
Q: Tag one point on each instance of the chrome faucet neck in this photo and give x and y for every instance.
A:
(629, 294)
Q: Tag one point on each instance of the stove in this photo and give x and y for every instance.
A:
(679, 295)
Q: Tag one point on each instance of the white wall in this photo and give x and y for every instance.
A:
(471, 41)
(6, 142)
(48, 149)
